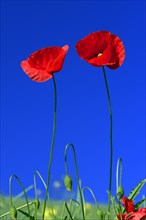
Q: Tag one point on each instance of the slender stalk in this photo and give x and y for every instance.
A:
(24, 193)
(35, 188)
(68, 211)
(52, 147)
(92, 194)
(119, 178)
(111, 137)
(77, 174)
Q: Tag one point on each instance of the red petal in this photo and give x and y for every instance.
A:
(35, 74)
(55, 65)
(42, 63)
(104, 42)
(123, 217)
(93, 44)
(128, 204)
(119, 50)
(106, 58)
(41, 58)
(137, 216)
(142, 210)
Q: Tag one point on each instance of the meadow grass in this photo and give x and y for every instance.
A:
(59, 212)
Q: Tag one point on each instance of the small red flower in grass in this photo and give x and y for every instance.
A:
(41, 64)
(101, 48)
(131, 214)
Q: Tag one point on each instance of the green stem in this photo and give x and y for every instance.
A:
(91, 192)
(52, 146)
(35, 188)
(22, 187)
(68, 211)
(111, 137)
(93, 196)
(77, 174)
(119, 179)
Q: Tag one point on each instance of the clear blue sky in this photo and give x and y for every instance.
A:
(83, 116)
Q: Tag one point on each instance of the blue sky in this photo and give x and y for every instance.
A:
(83, 116)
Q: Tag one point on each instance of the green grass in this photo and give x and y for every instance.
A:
(59, 210)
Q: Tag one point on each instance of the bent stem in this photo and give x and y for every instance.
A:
(36, 173)
(24, 192)
(111, 137)
(52, 146)
(77, 174)
(92, 194)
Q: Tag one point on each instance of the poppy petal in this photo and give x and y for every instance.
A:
(142, 210)
(55, 65)
(137, 216)
(41, 64)
(119, 50)
(93, 44)
(128, 204)
(104, 59)
(123, 217)
(101, 48)
(37, 75)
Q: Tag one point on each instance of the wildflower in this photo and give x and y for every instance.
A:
(49, 213)
(131, 213)
(41, 64)
(101, 48)
(88, 205)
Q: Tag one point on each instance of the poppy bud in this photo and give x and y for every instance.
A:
(68, 183)
(120, 192)
(37, 203)
(13, 213)
(99, 214)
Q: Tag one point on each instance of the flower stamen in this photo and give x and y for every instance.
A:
(99, 55)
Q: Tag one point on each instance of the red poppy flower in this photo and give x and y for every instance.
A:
(131, 214)
(101, 48)
(41, 64)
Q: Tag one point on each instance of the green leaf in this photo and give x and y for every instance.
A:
(137, 205)
(26, 214)
(136, 190)
(114, 205)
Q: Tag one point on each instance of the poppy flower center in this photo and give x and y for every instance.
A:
(99, 55)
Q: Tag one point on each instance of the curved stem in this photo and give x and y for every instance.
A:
(41, 178)
(111, 137)
(35, 189)
(52, 146)
(88, 188)
(77, 174)
(22, 187)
